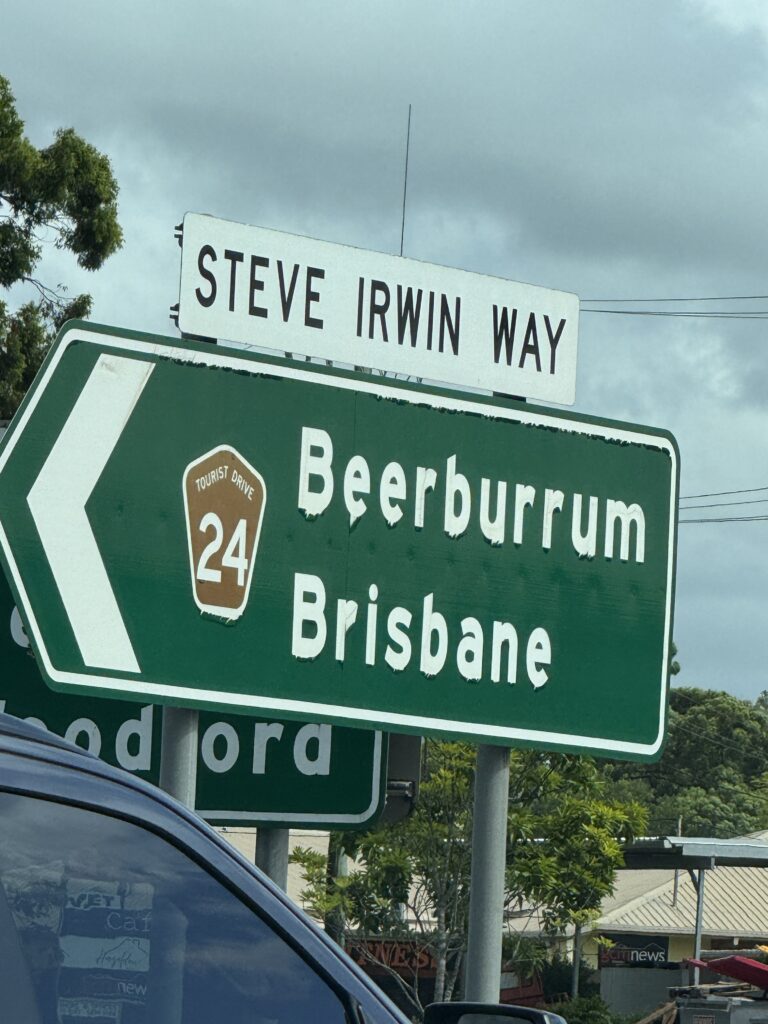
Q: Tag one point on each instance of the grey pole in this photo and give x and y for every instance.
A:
(489, 861)
(405, 179)
(178, 754)
(272, 854)
(699, 882)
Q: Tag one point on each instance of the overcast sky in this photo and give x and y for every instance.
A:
(613, 149)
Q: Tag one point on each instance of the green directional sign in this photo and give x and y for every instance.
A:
(250, 771)
(202, 526)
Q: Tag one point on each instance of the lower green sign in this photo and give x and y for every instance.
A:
(249, 771)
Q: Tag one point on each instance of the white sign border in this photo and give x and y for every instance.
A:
(311, 817)
(230, 359)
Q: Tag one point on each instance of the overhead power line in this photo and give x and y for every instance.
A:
(700, 298)
(596, 306)
(715, 740)
(720, 494)
(758, 314)
(728, 519)
(724, 504)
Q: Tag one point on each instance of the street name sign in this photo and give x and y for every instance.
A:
(250, 771)
(211, 528)
(297, 294)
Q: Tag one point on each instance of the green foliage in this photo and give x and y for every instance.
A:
(674, 664)
(65, 192)
(415, 871)
(714, 770)
(586, 1010)
(556, 976)
(413, 879)
(711, 730)
(724, 805)
(318, 899)
(25, 337)
(565, 838)
(422, 862)
(527, 957)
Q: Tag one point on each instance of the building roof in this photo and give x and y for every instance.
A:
(697, 852)
(735, 904)
(644, 901)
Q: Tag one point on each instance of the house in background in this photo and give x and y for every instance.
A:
(645, 931)
(649, 921)
(652, 931)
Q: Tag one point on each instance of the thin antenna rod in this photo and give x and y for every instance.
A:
(405, 180)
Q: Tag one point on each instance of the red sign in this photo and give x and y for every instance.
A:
(407, 958)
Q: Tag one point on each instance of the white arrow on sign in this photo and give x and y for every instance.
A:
(57, 501)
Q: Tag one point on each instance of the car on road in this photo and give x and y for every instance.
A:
(120, 906)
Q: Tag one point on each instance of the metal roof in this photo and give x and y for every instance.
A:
(696, 852)
(643, 900)
(736, 905)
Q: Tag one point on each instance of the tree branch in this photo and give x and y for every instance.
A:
(48, 295)
(409, 991)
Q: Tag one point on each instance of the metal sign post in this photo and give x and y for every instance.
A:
(489, 858)
(178, 754)
(273, 853)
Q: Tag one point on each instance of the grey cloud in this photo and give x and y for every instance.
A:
(604, 148)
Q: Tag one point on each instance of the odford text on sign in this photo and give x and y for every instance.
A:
(296, 294)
